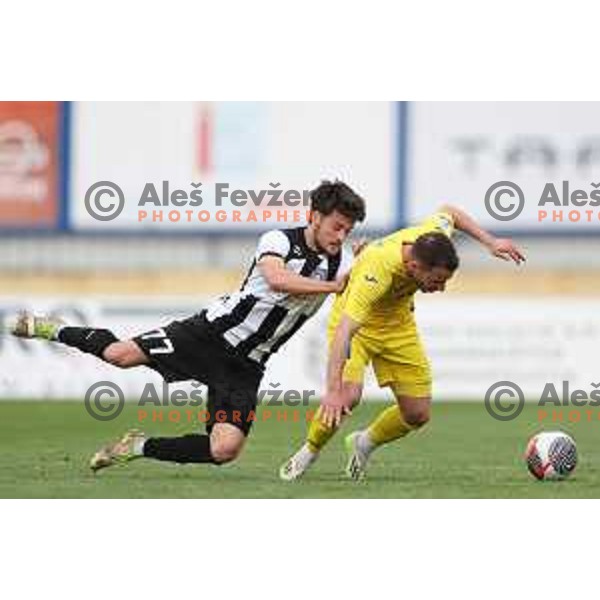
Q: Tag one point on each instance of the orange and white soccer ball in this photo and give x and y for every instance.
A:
(551, 455)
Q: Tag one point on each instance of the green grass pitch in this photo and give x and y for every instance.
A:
(462, 453)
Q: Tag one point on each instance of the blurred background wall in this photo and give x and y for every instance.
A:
(530, 325)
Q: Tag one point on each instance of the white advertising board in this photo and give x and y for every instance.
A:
(473, 343)
(255, 162)
(457, 151)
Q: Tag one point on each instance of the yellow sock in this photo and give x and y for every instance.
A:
(389, 425)
(318, 434)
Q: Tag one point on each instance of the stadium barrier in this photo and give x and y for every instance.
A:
(473, 342)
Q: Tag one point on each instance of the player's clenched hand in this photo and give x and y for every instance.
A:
(507, 250)
(339, 285)
(332, 409)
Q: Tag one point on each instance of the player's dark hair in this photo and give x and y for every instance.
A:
(435, 250)
(337, 195)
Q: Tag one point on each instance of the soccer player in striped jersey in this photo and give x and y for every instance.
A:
(227, 345)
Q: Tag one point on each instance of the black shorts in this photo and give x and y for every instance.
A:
(190, 350)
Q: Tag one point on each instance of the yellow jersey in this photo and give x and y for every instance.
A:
(380, 294)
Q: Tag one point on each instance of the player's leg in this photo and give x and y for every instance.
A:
(410, 383)
(100, 342)
(224, 444)
(231, 406)
(103, 344)
(124, 354)
(405, 415)
(318, 433)
(317, 437)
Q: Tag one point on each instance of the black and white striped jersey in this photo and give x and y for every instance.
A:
(258, 321)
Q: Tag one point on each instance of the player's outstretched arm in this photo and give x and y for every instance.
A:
(283, 280)
(503, 248)
(333, 406)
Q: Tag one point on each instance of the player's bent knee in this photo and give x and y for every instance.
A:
(124, 355)
(416, 411)
(417, 418)
(417, 421)
(226, 442)
(225, 451)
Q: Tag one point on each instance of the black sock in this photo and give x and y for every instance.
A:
(185, 449)
(87, 339)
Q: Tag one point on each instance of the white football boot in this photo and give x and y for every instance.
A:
(358, 448)
(44, 327)
(127, 448)
(297, 464)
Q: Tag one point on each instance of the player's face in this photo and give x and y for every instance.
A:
(331, 231)
(429, 279)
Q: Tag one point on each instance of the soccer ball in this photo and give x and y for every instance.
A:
(551, 455)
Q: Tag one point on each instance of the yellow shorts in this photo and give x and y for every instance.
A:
(399, 361)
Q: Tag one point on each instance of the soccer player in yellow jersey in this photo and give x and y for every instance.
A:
(372, 322)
